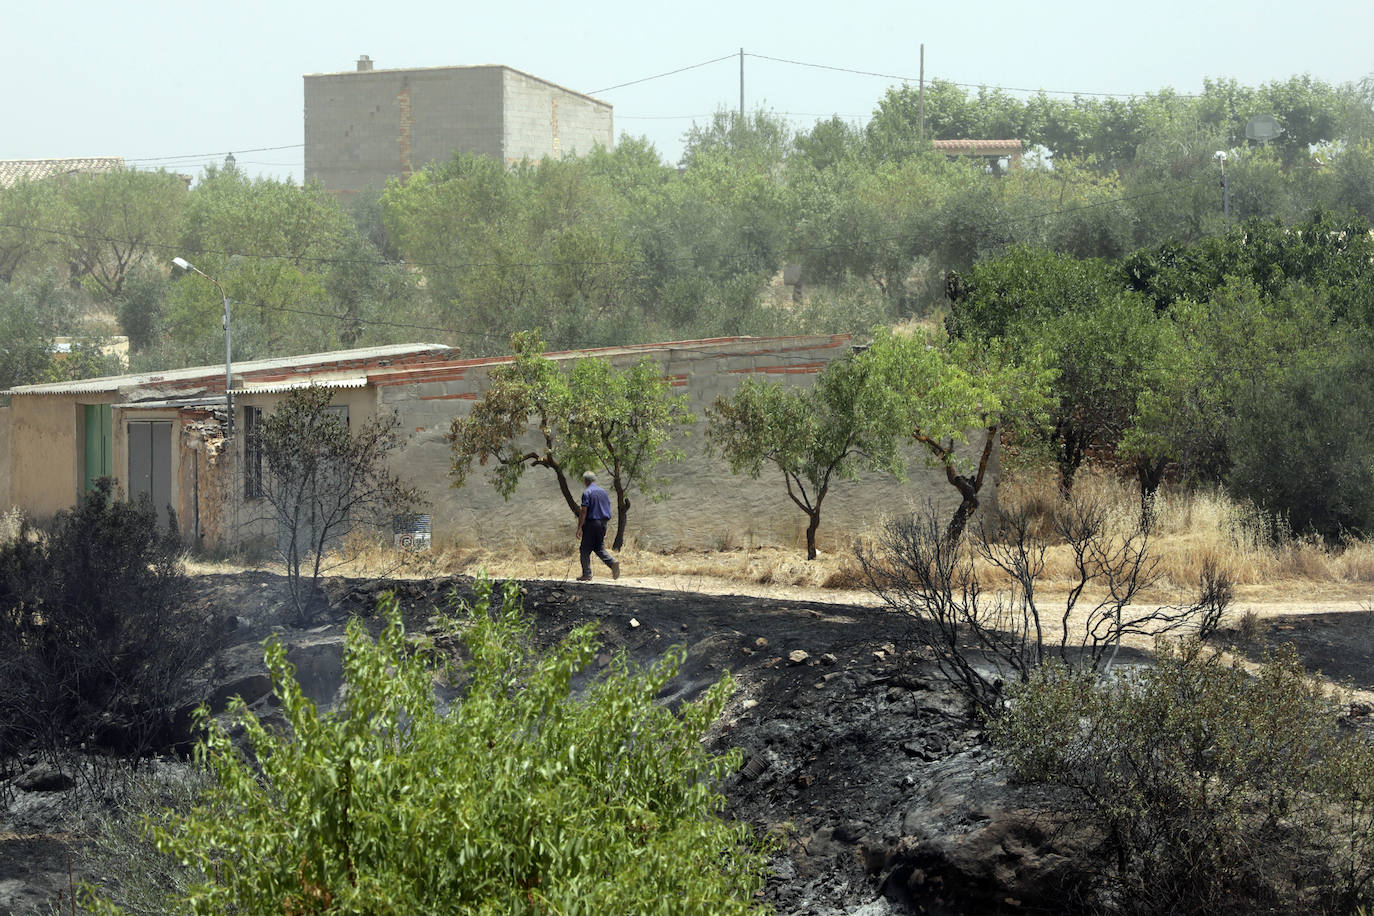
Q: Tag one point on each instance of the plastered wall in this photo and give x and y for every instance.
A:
(708, 506)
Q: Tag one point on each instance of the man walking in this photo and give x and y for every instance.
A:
(591, 527)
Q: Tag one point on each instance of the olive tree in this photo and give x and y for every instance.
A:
(591, 415)
(848, 422)
(949, 391)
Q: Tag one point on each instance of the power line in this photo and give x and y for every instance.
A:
(219, 154)
(658, 76)
(913, 79)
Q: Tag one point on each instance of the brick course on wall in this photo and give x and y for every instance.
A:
(708, 506)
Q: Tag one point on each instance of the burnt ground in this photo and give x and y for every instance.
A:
(858, 759)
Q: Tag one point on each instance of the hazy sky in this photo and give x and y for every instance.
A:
(181, 84)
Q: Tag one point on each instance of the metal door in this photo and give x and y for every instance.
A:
(150, 464)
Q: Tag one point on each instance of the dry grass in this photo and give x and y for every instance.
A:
(1195, 528)
(1192, 529)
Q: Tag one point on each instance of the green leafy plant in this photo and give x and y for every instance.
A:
(1211, 789)
(522, 795)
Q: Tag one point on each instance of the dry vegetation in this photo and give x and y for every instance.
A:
(1266, 561)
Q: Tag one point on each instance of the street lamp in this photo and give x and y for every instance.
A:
(1225, 188)
(228, 369)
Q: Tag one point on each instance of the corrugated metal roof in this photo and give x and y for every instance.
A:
(212, 374)
(319, 380)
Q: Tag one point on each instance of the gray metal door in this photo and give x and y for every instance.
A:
(150, 464)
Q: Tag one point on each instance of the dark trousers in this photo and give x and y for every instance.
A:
(594, 542)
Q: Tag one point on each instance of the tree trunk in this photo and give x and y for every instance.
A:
(622, 509)
(968, 490)
(968, 487)
(1150, 473)
(1070, 450)
(811, 533)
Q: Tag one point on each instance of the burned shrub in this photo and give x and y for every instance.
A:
(98, 641)
(984, 637)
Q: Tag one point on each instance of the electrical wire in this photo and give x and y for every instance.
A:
(658, 76)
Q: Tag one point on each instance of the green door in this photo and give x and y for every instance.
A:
(99, 443)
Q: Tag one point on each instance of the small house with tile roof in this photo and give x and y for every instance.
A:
(14, 171)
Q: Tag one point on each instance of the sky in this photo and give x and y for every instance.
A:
(180, 85)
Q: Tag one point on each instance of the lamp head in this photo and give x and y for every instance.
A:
(182, 263)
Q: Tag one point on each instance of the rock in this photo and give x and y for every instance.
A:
(829, 659)
(44, 777)
(634, 623)
(798, 657)
(250, 687)
(760, 643)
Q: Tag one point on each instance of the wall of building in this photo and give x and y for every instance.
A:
(542, 119)
(364, 127)
(5, 501)
(45, 453)
(708, 506)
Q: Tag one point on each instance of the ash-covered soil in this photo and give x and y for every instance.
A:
(865, 766)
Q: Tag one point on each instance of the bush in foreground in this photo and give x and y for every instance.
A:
(519, 797)
(99, 643)
(1212, 789)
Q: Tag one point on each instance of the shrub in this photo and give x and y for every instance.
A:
(519, 797)
(1301, 447)
(982, 637)
(1212, 790)
(98, 644)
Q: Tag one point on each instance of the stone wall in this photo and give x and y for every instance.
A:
(707, 507)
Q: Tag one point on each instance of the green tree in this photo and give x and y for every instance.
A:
(592, 415)
(950, 390)
(623, 420)
(847, 422)
(1100, 337)
(529, 391)
(267, 242)
(524, 795)
(1300, 446)
(115, 221)
(31, 228)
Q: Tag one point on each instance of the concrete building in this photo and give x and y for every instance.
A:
(162, 435)
(365, 126)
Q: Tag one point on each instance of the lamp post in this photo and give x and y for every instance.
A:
(228, 368)
(1225, 188)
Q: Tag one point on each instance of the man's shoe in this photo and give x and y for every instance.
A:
(587, 578)
(615, 569)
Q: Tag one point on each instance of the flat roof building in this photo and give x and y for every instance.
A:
(365, 126)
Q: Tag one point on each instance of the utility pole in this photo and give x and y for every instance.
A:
(1225, 188)
(741, 88)
(921, 94)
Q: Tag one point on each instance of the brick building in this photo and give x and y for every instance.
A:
(365, 126)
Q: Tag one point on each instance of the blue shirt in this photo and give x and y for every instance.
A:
(597, 503)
